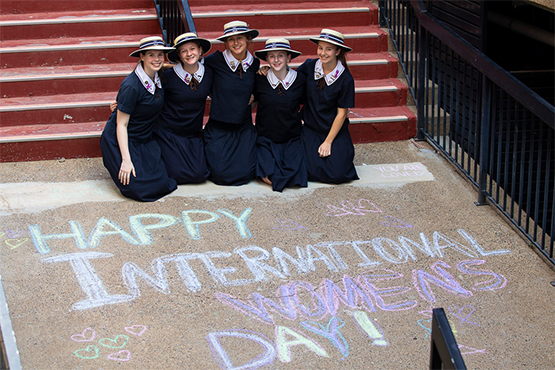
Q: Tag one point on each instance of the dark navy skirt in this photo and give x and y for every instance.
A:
(230, 152)
(151, 181)
(282, 163)
(183, 156)
(334, 169)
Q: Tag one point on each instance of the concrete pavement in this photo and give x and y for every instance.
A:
(242, 278)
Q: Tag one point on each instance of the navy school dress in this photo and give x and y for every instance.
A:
(318, 114)
(179, 125)
(151, 181)
(229, 135)
(278, 122)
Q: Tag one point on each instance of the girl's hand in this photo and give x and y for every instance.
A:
(324, 150)
(125, 171)
(263, 70)
(113, 106)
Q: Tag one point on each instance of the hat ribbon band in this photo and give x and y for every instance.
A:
(235, 29)
(152, 43)
(331, 37)
(278, 45)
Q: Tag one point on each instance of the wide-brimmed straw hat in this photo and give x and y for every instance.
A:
(333, 37)
(275, 45)
(237, 28)
(185, 38)
(151, 43)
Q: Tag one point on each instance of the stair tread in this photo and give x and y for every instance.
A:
(271, 6)
(76, 16)
(83, 42)
(379, 113)
(304, 33)
(8, 74)
(46, 131)
(52, 101)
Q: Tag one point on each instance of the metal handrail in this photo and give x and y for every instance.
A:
(491, 126)
(175, 18)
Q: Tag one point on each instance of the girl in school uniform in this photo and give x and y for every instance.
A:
(229, 135)
(330, 92)
(279, 95)
(178, 127)
(129, 153)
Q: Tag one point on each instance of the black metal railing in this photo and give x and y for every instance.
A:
(496, 130)
(175, 18)
(444, 351)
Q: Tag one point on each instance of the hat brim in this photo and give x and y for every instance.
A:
(317, 39)
(165, 49)
(204, 44)
(262, 54)
(253, 33)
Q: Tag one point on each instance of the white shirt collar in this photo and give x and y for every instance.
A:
(232, 62)
(330, 77)
(287, 81)
(148, 84)
(186, 76)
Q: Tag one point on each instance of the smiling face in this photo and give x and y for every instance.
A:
(152, 61)
(189, 53)
(278, 60)
(237, 44)
(328, 53)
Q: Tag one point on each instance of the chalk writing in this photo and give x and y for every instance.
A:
(370, 328)
(465, 350)
(460, 313)
(13, 240)
(140, 228)
(404, 170)
(348, 208)
(257, 261)
(288, 225)
(395, 222)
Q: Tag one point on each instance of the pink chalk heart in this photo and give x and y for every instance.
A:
(123, 355)
(118, 342)
(86, 336)
(395, 222)
(137, 330)
(287, 225)
(14, 243)
(89, 353)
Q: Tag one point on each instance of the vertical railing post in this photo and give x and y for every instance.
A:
(485, 132)
(381, 7)
(421, 93)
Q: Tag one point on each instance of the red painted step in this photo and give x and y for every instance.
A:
(46, 6)
(68, 51)
(56, 109)
(79, 24)
(382, 124)
(369, 39)
(27, 82)
(274, 16)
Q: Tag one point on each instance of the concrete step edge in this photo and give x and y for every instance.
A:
(249, 13)
(43, 48)
(77, 20)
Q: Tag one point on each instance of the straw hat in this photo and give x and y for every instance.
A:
(151, 43)
(331, 36)
(237, 28)
(185, 38)
(275, 45)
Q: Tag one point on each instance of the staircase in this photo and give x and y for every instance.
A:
(56, 90)
(61, 64)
